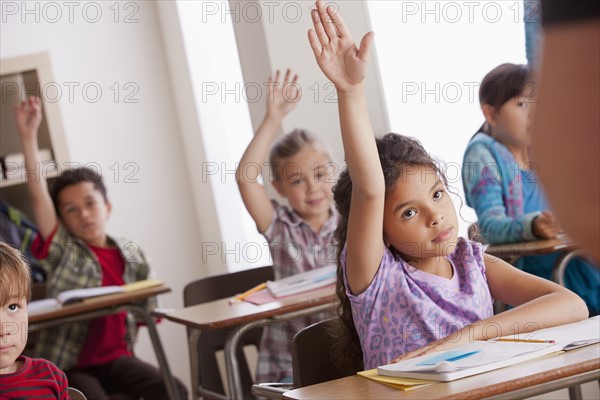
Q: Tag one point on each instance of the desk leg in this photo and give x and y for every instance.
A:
(194, 367)
(231, 362)
(231, 344)
(575, 392)
(158, 349)
(558, 271)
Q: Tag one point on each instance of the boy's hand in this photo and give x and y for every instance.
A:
(283, 96)
(28, 116)
(337, 55)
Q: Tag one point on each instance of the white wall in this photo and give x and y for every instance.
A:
(432, 83)
(285, 25)
(157, 211)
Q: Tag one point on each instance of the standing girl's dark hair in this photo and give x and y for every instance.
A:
(396, 153)
(503, 83)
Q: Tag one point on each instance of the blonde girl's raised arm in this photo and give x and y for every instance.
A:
(346, 66)
(254, 195)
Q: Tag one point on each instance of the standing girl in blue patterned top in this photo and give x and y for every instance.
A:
(502, 185)
(301, 237)
(407, 285)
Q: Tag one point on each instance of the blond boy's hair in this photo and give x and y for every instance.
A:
(15, 277)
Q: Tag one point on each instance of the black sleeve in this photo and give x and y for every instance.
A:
(565, 11)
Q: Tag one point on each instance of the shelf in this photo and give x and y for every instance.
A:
(5, 183)
(20, 78)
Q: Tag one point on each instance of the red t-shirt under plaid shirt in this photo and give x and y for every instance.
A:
(105, 341)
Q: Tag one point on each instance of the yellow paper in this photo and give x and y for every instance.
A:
(139, 285)
(398, 383)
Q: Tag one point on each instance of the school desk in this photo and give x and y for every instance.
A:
(511, 252)
(238, 318)
(517, 381)
(107, 305)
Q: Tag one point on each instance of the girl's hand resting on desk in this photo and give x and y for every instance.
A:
(284, 96)
(545, 225)
(337, 55)
(28, 116)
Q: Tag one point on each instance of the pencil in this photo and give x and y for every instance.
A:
(247, 293)
(523, 340)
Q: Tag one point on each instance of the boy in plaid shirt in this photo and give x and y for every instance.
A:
(76, 252)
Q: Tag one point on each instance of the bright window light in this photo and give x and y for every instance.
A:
(226, 127)
(432, 56)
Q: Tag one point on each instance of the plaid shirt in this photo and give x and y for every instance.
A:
(70, 264)
(295, 247)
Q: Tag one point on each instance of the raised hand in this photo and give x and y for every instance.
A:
(337, 55)
(283, 96)
(28, 116)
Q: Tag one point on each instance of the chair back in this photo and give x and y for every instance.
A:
(75, 394)
(214, 288)
(314, 355)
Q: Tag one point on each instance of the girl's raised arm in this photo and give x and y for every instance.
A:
(282, 99)
(346, 66)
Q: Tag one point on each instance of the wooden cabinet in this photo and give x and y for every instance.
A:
(21, 77)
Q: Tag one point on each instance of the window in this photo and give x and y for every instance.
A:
(217, 82)
(432, 56)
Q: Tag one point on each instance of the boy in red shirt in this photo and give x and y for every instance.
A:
(21, 377)
(76, 252)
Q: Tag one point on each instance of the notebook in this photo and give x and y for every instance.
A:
(468, 359)
(77, 295)
(303, 282)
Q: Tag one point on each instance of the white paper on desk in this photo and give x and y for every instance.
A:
(69, 296)
(571, 336)
(487, 356)
(41, 306)
(303, 282)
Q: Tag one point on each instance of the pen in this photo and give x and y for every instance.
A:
(247, 293)
(523, 340)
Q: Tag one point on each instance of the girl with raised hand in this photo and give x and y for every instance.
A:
(301, 236)
(407, 284)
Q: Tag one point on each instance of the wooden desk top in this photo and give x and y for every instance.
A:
(220, 314)
(560, 243)
(98, 303)
(527, 374)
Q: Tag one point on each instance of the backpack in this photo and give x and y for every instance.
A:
(19, 232)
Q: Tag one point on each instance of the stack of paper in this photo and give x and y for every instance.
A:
(468, 359)
(303, 282)
(396, 382)
(482, 356)
(75, 295)
(571, 336)
(69, 297)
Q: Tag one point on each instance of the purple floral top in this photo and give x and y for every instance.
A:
(404, 308)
